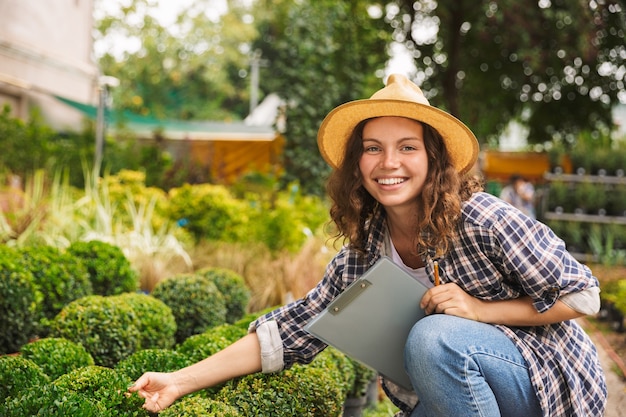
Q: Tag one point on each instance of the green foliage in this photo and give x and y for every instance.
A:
(245, 321)
(26, 146)
(285, 220)
(56, 356)
(109, 271)
(363, 377)
(319, 54)
(195, 301)
(51, 400)
(107, 386)
(17, 374)
(299, 391)
(107, 329)
(156, 322)
(198, 406)
(157, 360)
(208, 211)
(19, 302)
(234, 289)
(200, 346)
(506, 53)
(60, 277)
(339, 367)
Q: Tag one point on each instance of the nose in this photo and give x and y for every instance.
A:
(389, 160)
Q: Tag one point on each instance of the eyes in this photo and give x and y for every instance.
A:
(376, 148)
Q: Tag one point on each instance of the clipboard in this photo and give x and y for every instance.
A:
(371, 319)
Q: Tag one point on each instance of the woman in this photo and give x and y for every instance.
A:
(499, 338)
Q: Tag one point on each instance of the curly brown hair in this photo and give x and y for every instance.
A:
(438, 206)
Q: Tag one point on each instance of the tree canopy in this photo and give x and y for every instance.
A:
(556, 66)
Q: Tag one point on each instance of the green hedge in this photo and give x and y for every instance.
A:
(17, 374)
(195, 301)
(156, 322)
(60, 277)
(108, 329)
(109, 271)
(234, 289)
(57, 356)
(107, 386)
(157, 360)
(19, 302)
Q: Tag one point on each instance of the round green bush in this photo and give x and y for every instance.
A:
(210, 212)
(338, 366)
(18, 374)
(19, 302)
(155, 320)
(157, 360)
(107, 386)
(198, 406)
(57, 356)
(60, 277)
(295, 392)
(50, 400)
(200, 346)
(233, 287)
(109, 271)
(107, 329)
(195, 301)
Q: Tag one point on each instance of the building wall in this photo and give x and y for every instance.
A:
(46, 49)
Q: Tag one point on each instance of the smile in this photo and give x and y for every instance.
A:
(390, 181)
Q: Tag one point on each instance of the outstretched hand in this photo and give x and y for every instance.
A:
(158, 389)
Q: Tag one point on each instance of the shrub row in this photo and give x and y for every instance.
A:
(67, 383)
(37, 282)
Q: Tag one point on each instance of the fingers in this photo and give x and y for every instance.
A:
(139, 384)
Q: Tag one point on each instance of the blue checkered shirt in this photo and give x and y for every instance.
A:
(499, 254)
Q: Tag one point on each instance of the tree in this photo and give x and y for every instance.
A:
(319, 54)
(189, 70)
(556, 65)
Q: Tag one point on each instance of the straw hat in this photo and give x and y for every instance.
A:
(399, 98)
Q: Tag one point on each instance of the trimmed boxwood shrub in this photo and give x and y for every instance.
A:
(19, 302)
(60, 277)
(195, 301)
(105, 385)
(18, 374)
(155, 320)
(299, 391)
(198, 406)
(340, 368)
(51, 400)
(157, 360)
(107, 329)
(234, 289)
(109, 271)
(57, 356)
(200, 346)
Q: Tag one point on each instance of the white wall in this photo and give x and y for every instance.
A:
(46, 48)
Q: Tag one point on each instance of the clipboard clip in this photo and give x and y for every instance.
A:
(349, 294)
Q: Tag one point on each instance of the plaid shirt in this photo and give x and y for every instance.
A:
(499, 254)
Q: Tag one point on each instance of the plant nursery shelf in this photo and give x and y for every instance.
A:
(598, 179)
(586, 218)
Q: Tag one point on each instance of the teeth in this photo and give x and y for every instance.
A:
(390, 181)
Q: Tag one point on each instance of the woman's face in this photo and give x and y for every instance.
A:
(394, 164)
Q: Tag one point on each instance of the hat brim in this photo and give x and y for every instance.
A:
(335, 130)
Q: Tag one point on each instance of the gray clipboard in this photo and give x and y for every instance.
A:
(371, 319)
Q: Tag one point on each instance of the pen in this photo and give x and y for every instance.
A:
(436, 268)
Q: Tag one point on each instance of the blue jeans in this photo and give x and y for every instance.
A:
(463, 368)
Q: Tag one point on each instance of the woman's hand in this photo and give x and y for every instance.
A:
(451, 299)
(160, 390)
